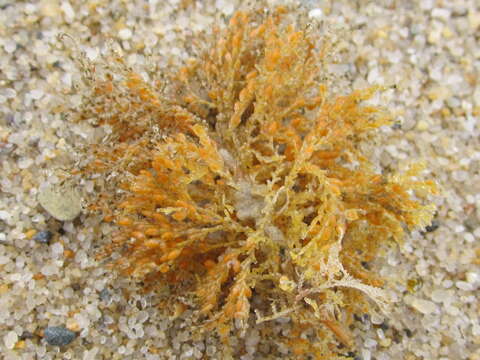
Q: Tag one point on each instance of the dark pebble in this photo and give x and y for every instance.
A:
(433, 226)
(26, 335)
(362, 318)
(384, 326)
(365, 265)
(105, 295)
(43, 237)
(397, 125)
(59, 336)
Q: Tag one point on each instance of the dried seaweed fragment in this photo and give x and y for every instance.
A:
(247, 180)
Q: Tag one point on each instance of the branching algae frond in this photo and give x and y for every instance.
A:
(243, 184)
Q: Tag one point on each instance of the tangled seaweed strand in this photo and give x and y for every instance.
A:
(243, 178)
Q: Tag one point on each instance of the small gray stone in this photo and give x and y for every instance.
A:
(62, 202)
(433, 226)
(59, 336)
(105, 295)
(43, 237)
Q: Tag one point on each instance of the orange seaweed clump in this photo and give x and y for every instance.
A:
(244, 178)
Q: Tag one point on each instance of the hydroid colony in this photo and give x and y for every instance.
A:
(240, 181)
